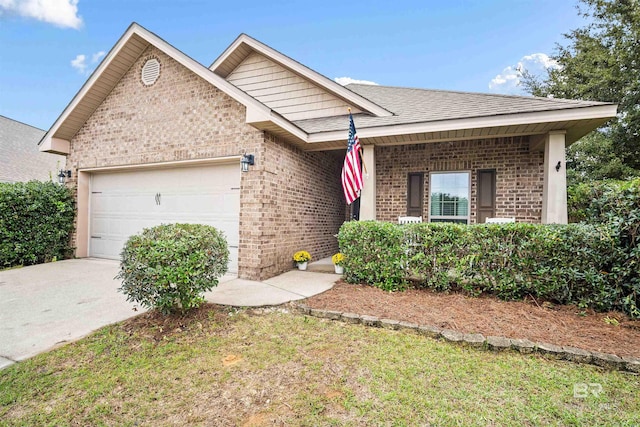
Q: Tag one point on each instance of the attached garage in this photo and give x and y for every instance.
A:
(123, 203)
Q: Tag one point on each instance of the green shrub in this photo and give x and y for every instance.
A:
(570, 264)
(615, 204)
(36, 222)
(373, 253)
(170, 266)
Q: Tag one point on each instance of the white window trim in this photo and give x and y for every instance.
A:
(447, 217)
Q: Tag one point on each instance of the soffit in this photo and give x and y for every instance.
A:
(97, 90)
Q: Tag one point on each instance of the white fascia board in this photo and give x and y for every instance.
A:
(306, 72)
(171, 51)
(259, 116)
(583, 113)
(227, 52)
(200, 70)
(55, 145)
(90, 82)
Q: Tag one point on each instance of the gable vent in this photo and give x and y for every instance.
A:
(150, 72)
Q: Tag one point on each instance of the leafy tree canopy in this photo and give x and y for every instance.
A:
(601, 62)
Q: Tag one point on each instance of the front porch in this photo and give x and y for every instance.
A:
(520, 177)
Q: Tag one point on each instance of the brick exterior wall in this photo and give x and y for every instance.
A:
(303, 205)
(519, 174)
(290, 200)
(180, 117)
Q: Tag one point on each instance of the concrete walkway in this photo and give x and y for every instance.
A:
(290, 286)
(48, 304)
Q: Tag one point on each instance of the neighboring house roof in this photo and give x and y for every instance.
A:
(20, 159)
(306, 108)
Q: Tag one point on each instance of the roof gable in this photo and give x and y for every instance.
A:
(290, 88)
(284, 91)
(113, 67)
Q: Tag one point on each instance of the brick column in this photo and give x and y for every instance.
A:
(368, 194)
(554, 196)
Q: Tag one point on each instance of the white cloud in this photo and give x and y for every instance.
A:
(347, 80)
(508, 81)
(62, 13)
(80, 63)
(97, 56)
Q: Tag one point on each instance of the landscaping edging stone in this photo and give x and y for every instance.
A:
(572, 354)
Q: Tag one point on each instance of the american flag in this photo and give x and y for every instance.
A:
(352, 170)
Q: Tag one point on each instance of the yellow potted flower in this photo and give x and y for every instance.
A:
(302, 258)
(338, 259)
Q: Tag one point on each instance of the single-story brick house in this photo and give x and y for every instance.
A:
(154, 136)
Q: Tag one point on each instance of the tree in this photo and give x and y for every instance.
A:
(593, 158)
(601, 62)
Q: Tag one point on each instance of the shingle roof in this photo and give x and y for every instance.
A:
(426, 105)
(20, 159)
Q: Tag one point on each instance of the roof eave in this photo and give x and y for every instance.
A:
(598, 113)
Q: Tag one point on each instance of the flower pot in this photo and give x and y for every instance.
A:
(302, 265)
(339, 269)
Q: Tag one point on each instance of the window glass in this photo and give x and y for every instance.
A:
(449, 197)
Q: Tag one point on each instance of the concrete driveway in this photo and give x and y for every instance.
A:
(49, 304)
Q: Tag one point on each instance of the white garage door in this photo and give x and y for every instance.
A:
(124, 203)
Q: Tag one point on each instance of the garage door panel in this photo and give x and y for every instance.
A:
(123, 204)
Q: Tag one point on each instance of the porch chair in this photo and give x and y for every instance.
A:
(500, 220)
(410, 238)
(409, 219)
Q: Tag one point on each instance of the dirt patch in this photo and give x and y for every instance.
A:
(232, 359)
(256, 420)
(542, 322)
(158, 327)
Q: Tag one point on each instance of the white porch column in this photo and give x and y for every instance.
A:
(554, 195)
(368, 194)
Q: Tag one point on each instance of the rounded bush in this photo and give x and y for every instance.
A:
(170, 266)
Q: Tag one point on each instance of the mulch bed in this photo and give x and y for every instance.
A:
(530, 319)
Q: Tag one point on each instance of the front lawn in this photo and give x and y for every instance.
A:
(222, 367)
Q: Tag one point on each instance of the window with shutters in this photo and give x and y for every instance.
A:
(449, 195)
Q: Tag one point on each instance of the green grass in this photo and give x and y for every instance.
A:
(296, 370)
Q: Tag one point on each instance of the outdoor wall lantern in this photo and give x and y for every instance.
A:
(558, 166)
(63, 175)
(246, 161)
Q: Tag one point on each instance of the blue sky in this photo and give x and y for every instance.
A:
(49, 47)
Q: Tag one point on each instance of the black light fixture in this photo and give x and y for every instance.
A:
(63, 175)
(246, 161)
(558, 166)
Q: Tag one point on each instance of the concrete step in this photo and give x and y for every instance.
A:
(320, 268)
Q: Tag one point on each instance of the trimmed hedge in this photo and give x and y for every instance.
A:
(571, 264)
(36, 222)
(170, 266)
(615, 204)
